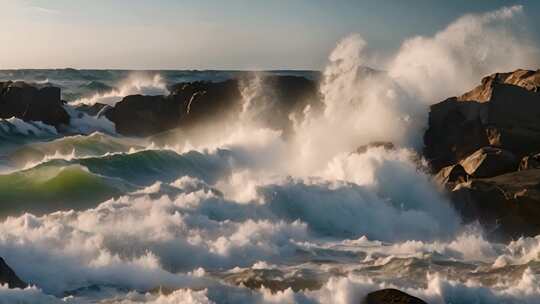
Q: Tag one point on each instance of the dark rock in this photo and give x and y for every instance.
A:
(386, 145)
(391, 296)
(503, 112)
(8, 276)
(508, 205)
(451, 176)
(489, 162)
(21, 100)
(201, 102)
(530, 162)
(138, 115)
(198, 103)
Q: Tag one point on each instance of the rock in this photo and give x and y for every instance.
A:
(391, 296)
(489, 162)
(8, 276)
(508, 205)
(138, 115)
(195, 104)
(502, 112)
(530, 162)
(386, 145)
(200, 102)
(456, 129)
(21, 100)
(451, 176)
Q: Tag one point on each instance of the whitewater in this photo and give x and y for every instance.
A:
(239, 213)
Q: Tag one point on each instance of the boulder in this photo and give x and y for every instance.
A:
(489, 162)
(203, 101)
(503, 112)
(391, 296)
(31, 103)
(138, 115)
(507, 205)
(530, 162)
(8, 276)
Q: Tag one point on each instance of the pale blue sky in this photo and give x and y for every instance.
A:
(227, 34)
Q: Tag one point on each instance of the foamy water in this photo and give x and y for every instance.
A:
(238, 214)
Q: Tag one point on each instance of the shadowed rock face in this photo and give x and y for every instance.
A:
(197, 103)
(489, 161)
(486, 132)
(508, 205)
(21, 100)
(8, 276)
(503, 111)
(391, 296)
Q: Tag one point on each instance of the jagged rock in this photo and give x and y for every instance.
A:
(391, 296)
(451, 176)
(30, 103)
(503, 112)
(508, 205)
(489, 162)
(8, 276)
(530, 162)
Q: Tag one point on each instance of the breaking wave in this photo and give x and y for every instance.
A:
(241, 215)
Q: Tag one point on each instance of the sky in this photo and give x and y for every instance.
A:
(225, 34)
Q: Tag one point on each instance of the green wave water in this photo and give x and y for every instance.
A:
(49, 188)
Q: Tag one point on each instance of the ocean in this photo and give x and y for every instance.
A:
(239, 213)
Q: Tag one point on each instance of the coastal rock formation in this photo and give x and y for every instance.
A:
(8, 276)
(193, 104)
(507, 206)
(450, 176)
(476, 141)
(30, 103)
(503, 112)
(489, 161)
(138, 115)
(391, 296)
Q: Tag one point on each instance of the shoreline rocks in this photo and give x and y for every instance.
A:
(483, 147)
(31, 103)
(194, 104)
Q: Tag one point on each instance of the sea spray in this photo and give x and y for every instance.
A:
(299, 219)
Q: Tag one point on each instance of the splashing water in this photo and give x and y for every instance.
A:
(241, 215)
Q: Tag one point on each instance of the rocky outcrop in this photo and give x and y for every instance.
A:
(489, 162)
(197, 103)
(450, 176)
(8, 276)
(507, 206)
(31, 103)
(391, 296)
(476, 141)
(138, 115)
(502, 112)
